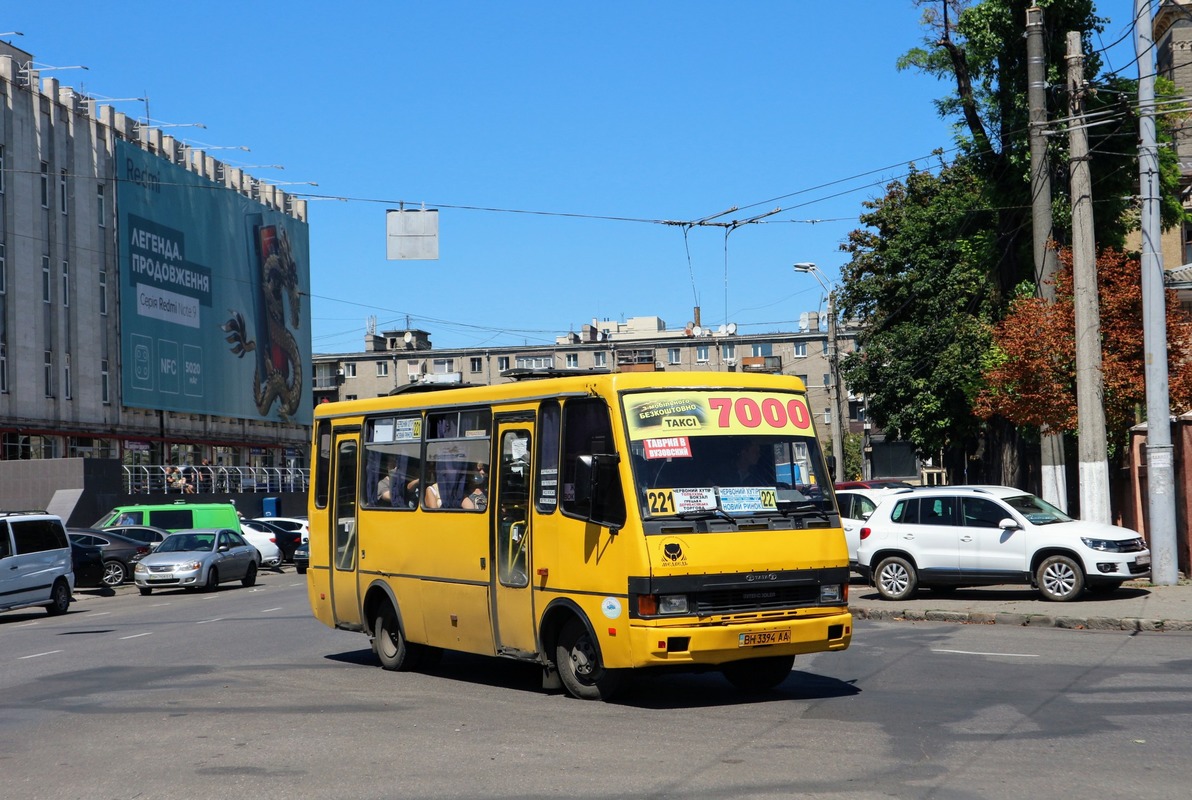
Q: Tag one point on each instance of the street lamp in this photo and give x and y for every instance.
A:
(834, 390)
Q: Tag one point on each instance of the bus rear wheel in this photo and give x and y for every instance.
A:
(390, 645)
(577, 658)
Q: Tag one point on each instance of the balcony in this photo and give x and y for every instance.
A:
(761, 364)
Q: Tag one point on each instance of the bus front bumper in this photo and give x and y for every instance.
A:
(721, 643)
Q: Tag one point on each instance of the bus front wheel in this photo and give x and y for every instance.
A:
(577, 658)
(389, 644)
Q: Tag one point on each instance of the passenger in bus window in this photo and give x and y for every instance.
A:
(477, 499)
(431, 497)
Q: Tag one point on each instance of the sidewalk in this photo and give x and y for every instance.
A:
(1137, 606)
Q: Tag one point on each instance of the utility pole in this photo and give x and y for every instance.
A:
(1090, 411)
(1160, 473)
(835, 389)
(1055, 482)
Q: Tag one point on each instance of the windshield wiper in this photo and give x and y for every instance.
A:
(707, 513)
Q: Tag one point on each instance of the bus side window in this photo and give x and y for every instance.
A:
(587, 430)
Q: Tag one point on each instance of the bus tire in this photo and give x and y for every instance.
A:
(756, 675)
(390, 644)
(577, 658)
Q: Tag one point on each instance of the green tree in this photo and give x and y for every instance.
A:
(942, 255)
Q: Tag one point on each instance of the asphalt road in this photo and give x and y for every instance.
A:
(240, 693)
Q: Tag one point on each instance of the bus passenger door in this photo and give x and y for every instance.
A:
(513, 604)
(345, 587)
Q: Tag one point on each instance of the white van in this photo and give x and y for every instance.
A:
(35, 562)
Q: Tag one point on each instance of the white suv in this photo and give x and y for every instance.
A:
(35, 562)
(951, 536)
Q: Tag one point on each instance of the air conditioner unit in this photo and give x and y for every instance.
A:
(732, 362)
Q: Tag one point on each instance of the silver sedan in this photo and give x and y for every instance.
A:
(198, 558)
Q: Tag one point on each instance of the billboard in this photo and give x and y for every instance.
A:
(211, 296)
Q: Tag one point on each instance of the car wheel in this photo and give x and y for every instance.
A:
(756, 675)
(577, 658)
(895, 578)
(59, 598)
(114, 573)
(390, 645)
(145, 590)
(212, 580)
(250, 577)
(1060, 579)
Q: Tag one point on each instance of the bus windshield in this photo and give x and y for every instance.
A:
(734, 453)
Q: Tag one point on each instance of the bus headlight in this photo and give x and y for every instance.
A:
(831, 594)
(672, 604)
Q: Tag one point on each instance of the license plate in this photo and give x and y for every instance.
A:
(1143, 560)
(162, 576)
(763, 637)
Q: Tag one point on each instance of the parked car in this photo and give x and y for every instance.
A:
(286, 540)
(302, 558)
(299, 524)
(142, 533)
(872, 484)
(177, 516)
(952, 536)
(198, 559)
(36, 567)
(856, 505)
(120, 553)
(87, 562)
(264, 540)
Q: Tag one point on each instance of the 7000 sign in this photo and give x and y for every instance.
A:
(771, 412)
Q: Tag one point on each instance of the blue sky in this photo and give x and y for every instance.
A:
(580, 124)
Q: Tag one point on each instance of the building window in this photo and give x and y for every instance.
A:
(66, 284)
(66, 386)
(828, 416)
(104, 382)
(502, 363)
(46, 294)
(802, 378)
(763, 350)
(382, 369)
(99, 206)
(62, 191)
(443, 366)
(728, 351)
(801, 348)
(600, 358)
(48, 375)
(477, 364)
(535, 362)
(827, 379)
(825, 350)
(349, 397)
(45, 184)
(103, 292)
(3, 368)
(3, 272)
(573, 359)
(674, 355)
(701, 354)
(349, 369)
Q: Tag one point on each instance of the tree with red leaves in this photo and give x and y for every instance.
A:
(1030, 372)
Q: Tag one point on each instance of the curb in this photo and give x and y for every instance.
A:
(1025, 620)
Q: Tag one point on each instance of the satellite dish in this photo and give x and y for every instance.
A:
(696, 330)
(409, 337)
(731, 328)
(720, 330)
(803, 322)
(689, 328)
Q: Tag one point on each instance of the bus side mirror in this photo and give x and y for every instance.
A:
(598, 487)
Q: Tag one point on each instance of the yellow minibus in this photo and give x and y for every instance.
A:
(594, 523)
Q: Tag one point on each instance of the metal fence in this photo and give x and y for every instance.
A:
(169, 479)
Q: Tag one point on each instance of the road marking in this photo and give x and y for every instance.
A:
(100, 613)
(205, 621)
(136, 635)
(27, 624)
(39, 655)
(979, 653)
(267, 610)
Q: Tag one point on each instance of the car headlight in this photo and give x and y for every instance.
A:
(1108, 545)
(188, 566)
(140, 567)
(830, 594)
